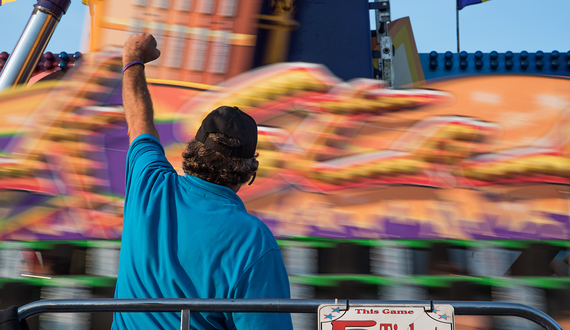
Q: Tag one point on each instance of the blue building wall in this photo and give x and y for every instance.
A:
(335, 33)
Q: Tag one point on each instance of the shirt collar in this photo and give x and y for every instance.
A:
(216, 189)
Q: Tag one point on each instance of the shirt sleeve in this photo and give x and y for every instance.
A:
(145, 158)
(265, 279)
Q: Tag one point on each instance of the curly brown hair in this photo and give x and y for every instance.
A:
(212, 166)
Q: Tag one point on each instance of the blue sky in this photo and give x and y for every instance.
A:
(499, 25)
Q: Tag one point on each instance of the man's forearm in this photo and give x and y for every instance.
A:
(137, 103)
(140, 48)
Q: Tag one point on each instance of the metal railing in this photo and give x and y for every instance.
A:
(185, 306)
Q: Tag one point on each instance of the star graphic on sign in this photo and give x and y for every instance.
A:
(336, 310)
(328, 316)
(444, 316)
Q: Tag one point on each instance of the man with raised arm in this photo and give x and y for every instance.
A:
(191, 236)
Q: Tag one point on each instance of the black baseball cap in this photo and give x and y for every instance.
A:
(234, 123)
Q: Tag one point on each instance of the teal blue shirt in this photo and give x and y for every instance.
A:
(184, 237)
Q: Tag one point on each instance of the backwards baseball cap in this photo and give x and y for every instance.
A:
(234, 123)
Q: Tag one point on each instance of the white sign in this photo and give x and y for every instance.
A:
(385, 317)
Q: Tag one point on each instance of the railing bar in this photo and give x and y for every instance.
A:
(268, 305)
(503, 308)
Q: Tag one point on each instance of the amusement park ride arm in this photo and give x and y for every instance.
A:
(136, 97)
(37, 33)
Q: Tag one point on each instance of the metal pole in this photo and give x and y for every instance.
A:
(37, 33)
(185, 319)
(385, 63)
(457, 23)
(269, 306)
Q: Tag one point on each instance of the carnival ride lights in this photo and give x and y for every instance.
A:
(501, 62)
(59, 158)
(315, 153)
(49, 61)
(545, 161)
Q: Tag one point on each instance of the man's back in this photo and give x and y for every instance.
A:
(184, 237)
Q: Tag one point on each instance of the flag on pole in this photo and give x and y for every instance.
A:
(463, 3)
(5, 1)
